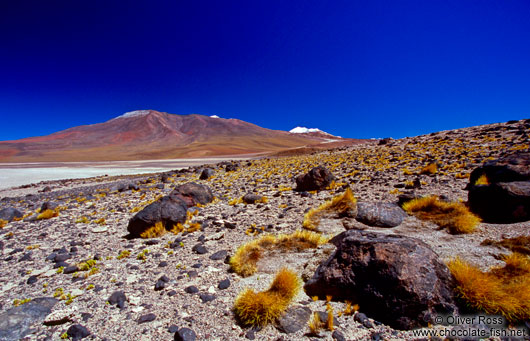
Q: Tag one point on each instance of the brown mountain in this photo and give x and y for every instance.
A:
(149, 134)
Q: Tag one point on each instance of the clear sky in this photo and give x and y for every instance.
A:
(353, 68)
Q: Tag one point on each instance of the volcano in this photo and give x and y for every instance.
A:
(150, 135)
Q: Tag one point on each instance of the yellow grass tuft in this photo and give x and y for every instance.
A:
(341, 204)
(154, 231)
(261, 308)
(454, 216)
(431, 168)
(315, 324)
(47, 214)
(501, 290)
(245, 259)
(482, 180)
(3, 223)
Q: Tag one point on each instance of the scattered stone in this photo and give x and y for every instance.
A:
(206, 174)
(251, 198)
(185, 334)
(396, 279)
(191, 289)
(70, 269)
(199, 249)
(118, 298)
(147, 318)
(380, 214)
(31, 280)
(230, 225)
(173, 329)
(219, 255)
(363, 319)
(337, 335)
(48, 205)
(207, 297)
(294, 319)
(224, 284)
(10, 213)
(317, 178)
(77, 332)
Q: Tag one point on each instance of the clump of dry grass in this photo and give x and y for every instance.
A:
(47, 214)
(315, 324)
(261, 308)
(482, 180)
(454, 216)
(154, 231)
(3, 223)
(343, 205)
(245, 259)
(501, 290)
(519, 244)
(430, 169)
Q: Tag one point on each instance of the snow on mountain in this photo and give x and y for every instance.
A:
(214, 116)
(304, 130)
(135, 113)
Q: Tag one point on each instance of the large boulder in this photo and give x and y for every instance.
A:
(505, 198)
(395, 279)
(166, 210)
(10, 213)
(380, 214)
(192, 194)
(317, 178)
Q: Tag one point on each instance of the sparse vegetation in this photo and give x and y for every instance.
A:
(244, 261)
(154, 231)
(430, 169)
(315, 325)
(261, 308)
(47, 214)
(501, 290)
(519, 244)
(124, 254)
(482, 180)
(454, 216)
(341, 205)
(18, 302)
(3, 223)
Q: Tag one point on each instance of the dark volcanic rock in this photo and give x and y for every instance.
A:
(118, 298)
(317, 178)
(396, 279)
(219, 255)
(206, 173)
(251, 198)
(15, 322)
(506, 199)
(146, 318)
(380, 214)
(515, 167)
(294, 319)
(77, 332)
(185, 334)
(9, 213)
(192, 194)
(166, 210)
(48, 205)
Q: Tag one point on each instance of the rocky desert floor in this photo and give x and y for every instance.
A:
(183, 280)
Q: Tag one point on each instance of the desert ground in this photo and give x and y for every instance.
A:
(79, 272)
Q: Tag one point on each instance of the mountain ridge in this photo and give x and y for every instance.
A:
(150, 134)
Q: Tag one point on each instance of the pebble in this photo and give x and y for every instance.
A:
(146, 318)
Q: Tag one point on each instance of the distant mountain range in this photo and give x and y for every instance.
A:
(149, 134)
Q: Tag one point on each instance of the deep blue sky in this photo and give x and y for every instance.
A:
(352, 68)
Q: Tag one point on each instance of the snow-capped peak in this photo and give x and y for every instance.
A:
(135, 113)
(304, 130)
(214, 116)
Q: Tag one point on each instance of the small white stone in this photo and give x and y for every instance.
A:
(134, 300)
(77, 292)
(100, 229)
(211, 290)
